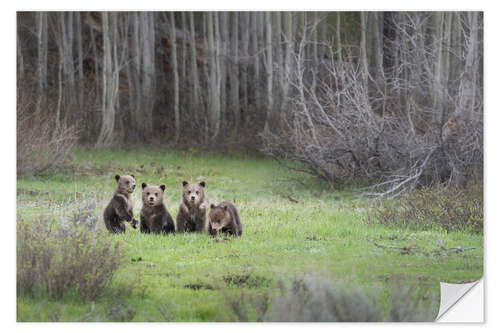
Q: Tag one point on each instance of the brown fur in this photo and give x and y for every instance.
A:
(155, 217)
(192, 214)
(224, 218)
(121, 206)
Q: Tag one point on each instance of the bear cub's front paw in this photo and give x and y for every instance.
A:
(134, 223)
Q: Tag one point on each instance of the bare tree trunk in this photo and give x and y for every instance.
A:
(362, 48)
(278, 62)
(235, 87)
(378, 54)
(41, 72)
(67, 54)
(223, 59)
(269, 69)
(133, 76)
(467, 92)
(20, 59)
(445, 76)
(379, 48)
(79, 36)
(195, 80)
(338, 39)
(214, 49)
(437, 94)
(96, 63)
(183, 69)
(254, 49)
(173, 45)
(289, 40)
(59, 92)
(315, 23)
(110, 79)
(206, 73)
(245, 37)
(323, 37)
(259, 46)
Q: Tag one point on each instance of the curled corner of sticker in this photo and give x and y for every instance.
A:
(451, 293)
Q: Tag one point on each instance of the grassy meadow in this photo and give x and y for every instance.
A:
(290, 228)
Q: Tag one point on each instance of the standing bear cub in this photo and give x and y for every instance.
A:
(154, 215)
(121, 206)
(191, 216)
(224, 218)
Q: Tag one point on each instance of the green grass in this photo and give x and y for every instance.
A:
(180, 277)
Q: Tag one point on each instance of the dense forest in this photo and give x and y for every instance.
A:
(376, 95)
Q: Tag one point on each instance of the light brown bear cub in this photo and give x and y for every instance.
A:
(154, 215)
(224, 218)
(191, 216)
(121, 206)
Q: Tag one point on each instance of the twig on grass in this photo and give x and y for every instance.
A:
(292, 199)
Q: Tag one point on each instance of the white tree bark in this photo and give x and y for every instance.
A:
(79, 36)
(20, 58)
(41, 18)
(215, 77)
(362, 48)
(173, 46)
(289, 43)
(110, 80)
(338, 39)
(235, 84)
(245, 37)
(467, 91)
(195, 80)
(223, 58)
(437, 94)
(269, 68)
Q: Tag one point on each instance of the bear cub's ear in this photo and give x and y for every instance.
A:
(184, 183)
(202, 184)
(144, 185)
(162, 187)
(117, 177)
(212, 206)
(132, 175)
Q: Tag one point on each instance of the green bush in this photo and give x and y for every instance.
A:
(58, 258)
(453, 209)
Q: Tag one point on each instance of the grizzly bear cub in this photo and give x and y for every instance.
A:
(191, 216)
(154, 215)
(224, 218)
(121, 205)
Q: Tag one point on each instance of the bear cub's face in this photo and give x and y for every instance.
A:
(193, 194)
(125, 184)
(219, 217)
(152, 195)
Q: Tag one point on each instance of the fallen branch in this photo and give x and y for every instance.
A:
(457, 249)
(404, 249)
(408, 249)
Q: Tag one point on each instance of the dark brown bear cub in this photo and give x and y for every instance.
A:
(121, 206)
(154, 215)
(224, 218)
(191, 216)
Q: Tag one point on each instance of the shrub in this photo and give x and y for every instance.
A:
(340, 125)
(317, 299)
(42, 143)
(72, 255)
(427, 208)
